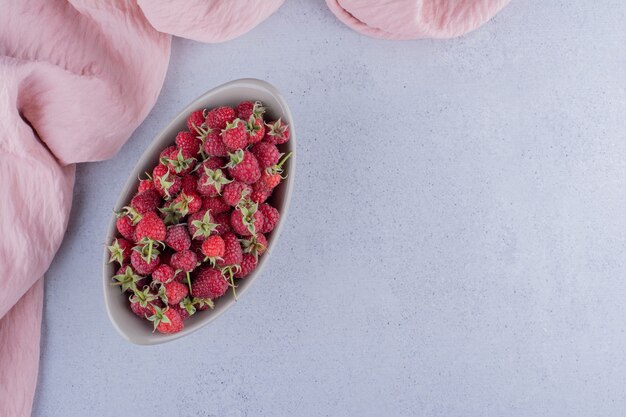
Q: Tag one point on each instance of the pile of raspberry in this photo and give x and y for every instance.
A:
(198, 222)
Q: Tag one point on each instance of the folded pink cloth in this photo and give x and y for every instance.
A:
(76, 78)
(412, 19)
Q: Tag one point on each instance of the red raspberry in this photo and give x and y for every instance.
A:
(270, 217)
(151, 227)
(218, 117)
(174, 292)
(187, 203)
(141, 266)
(209, 283)
(126, 277)
(189, 184)
(145, 185)
(146, 201)
(232, 252)
(168, 185)
(120, 251)
(210, 182)
(214, 146)
(166, 153)
(215, 205)
(266, 153)
(126, 228)
(189, 142)
(185, 260)
(184, 314)
(223, 223)
(166, 320)
(180, 161)
(235, 191)
(235, 135)
(141, 302)
(255, 129)
(195, 120)
(248, 264)
(244, 167)
(213, 247)
(202, 304)
(163, 273)
(212, 163)
(260, 196)
(268, 181)
(277, 132)
(177, 238)
(245, 221)
(245, 109)
(255, 245)
(201, 225)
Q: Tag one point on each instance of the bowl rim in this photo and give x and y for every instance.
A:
(132, 183)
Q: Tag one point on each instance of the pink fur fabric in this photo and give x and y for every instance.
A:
(76, 78)
(413, 19)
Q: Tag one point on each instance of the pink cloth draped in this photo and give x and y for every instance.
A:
(76, 78)
(413, 19)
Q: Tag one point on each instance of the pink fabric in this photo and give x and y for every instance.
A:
(412, 19)
(76, 78)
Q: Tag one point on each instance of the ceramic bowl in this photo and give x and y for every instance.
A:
(125, 322)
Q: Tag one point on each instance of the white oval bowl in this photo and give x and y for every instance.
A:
(124, 320)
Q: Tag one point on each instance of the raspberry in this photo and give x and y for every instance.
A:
(141, 266)
(266, 153)
(151, 227)
(255, 245)
(209, 283)
(126, 228)
(187, 203)
(218, 117)
(177, 238)
(213, 163)
(222, 221)
(184, 260)
(277, 132)
(235, 191)
(214, 146)
(210, 182)
(195, 120)
(246, 220)
(201, 225)
(166, 320)
(145, 185)
(189, 184)
(213, 247)
(174, 292)
(270, 217)
(120, 251)
(245, 109)
(141, 302)
(260, 196)
(244, 167)
(232, 252)
(146, 201)
(180, 161)
(215, 205)
(188, 142)
(267, 182)
(163, 273)
(255, 129)
(248, 264)
(235, 135)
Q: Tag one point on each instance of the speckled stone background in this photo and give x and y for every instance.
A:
(455, 247)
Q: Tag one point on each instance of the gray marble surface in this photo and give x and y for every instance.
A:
(455, 247)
